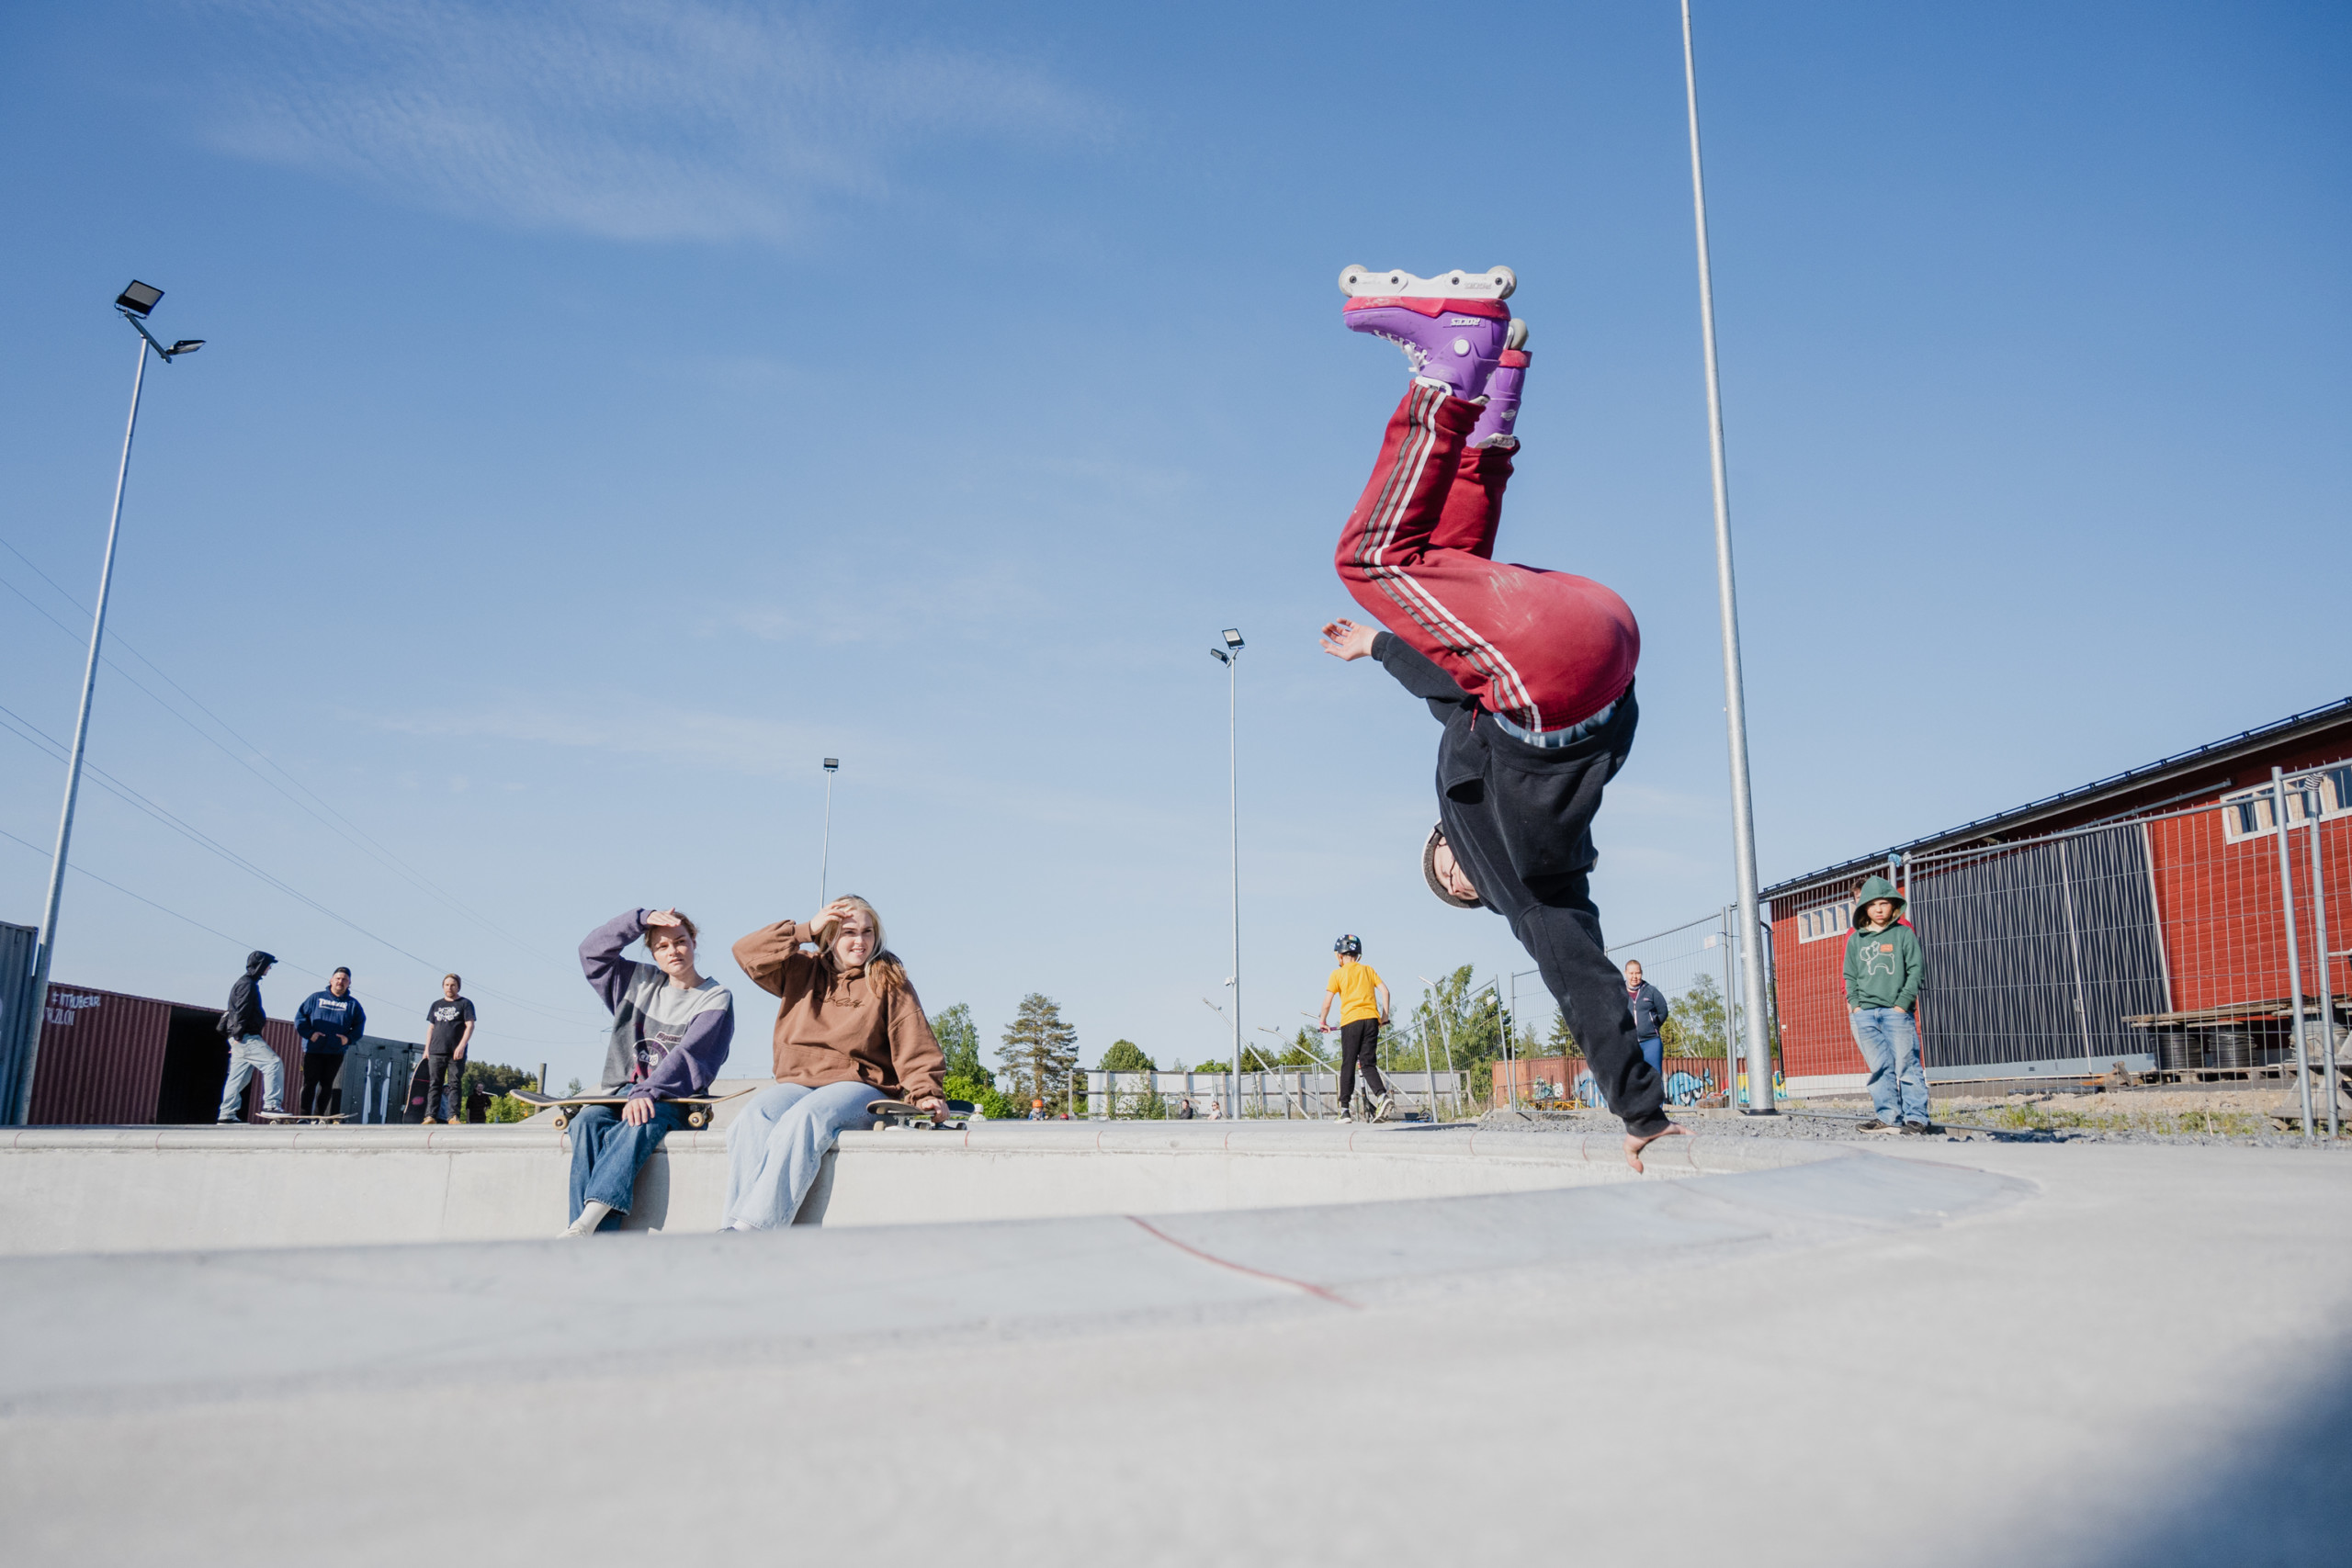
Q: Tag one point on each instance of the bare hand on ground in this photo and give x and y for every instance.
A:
(1633, 1145)
(1343, 638)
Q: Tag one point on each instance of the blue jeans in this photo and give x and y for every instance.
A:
(1890, 1043)
(248, 1056)
(607, 1152)
(1654, 1054)
(777, 1146)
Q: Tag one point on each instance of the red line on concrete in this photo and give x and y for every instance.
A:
(1317, 1291)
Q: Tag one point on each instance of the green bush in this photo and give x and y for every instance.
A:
(982, 1092)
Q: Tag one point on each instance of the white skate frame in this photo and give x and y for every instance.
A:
(1496, 283)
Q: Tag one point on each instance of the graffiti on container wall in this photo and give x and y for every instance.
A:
(64, 1006)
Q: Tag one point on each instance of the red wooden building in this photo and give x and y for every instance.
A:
(2140, 917)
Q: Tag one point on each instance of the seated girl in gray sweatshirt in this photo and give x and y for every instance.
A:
(671, 1028)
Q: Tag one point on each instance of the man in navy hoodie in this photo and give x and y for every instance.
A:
(329, 1024)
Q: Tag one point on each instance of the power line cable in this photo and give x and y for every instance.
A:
(26, 730)
(350, 831)
(385, 1003)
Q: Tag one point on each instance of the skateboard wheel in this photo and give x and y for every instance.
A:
(695, 1118)
(562, 1118)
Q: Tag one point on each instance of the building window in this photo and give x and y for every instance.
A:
(2251, 813)
(1828, 920)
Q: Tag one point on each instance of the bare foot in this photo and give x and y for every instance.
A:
(1633, 1145)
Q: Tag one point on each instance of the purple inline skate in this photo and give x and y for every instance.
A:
(1451, 327)
(1494, 426)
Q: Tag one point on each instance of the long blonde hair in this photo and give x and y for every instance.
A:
(884, 972)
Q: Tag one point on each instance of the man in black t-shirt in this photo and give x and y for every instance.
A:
(452, 1022)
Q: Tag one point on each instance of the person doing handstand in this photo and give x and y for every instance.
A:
(671, 1028)
(1531, 671)
(850, 1031)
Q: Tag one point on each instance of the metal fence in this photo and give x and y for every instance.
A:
(1279, 1093)
(1696, 966)
(2194, 944)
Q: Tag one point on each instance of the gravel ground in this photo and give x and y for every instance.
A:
(2019, 1119)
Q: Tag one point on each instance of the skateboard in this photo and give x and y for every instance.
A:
(703, 1106)
(297, 1116)
(898, 1113)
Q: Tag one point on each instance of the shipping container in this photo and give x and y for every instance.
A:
(17, 947)
(111, 1059)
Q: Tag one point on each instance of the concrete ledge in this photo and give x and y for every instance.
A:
(146, 1189)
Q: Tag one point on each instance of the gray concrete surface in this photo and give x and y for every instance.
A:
(139, 1188)
(2103, 1354)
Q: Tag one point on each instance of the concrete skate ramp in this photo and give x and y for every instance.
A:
(130, 1190)
(94, 1333)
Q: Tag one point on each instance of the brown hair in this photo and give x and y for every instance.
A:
(685, 924)
(460, 982)
(884, 972)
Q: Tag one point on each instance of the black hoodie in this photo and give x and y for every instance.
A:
(244, 1015)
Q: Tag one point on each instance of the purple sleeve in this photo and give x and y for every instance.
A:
(692, 1067)
(600, 956)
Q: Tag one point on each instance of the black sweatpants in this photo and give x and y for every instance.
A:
(1556, 919)
(441, 1086)
(1360, 1041)
(321, 1078)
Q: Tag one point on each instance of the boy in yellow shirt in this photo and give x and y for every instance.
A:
(1364, 1007)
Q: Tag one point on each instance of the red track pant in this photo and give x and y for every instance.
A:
(1545, 649)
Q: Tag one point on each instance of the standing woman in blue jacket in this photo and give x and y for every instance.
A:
(329, 1024)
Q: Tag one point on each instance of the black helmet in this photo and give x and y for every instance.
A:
(1351, 944)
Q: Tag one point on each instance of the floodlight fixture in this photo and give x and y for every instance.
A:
(139, 299)
(832, 764)
(1218, 654)
(185, 346)
(1232, 639)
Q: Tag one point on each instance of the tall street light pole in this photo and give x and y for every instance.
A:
(825, 857)
(134, 302)
(1743, 810)
(1230, 657)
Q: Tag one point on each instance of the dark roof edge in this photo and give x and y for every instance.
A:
(2317, 719)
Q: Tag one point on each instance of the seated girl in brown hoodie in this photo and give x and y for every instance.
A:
(851, 1031)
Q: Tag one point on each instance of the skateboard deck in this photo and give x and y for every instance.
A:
(898, 1113)
(704, 1106)
(297, 1116)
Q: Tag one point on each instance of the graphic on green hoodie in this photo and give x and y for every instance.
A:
(1884, 968)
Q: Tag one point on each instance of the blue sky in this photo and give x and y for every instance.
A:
(610, 409)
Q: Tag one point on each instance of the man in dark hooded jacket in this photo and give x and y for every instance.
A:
(248, 1052)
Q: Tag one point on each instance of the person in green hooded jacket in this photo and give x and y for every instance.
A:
(1883, 969)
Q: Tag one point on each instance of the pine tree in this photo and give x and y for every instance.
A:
(1562, 1042)
(1039, 1051)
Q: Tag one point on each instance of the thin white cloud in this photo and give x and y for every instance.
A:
(739, 744)
(692, 119)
